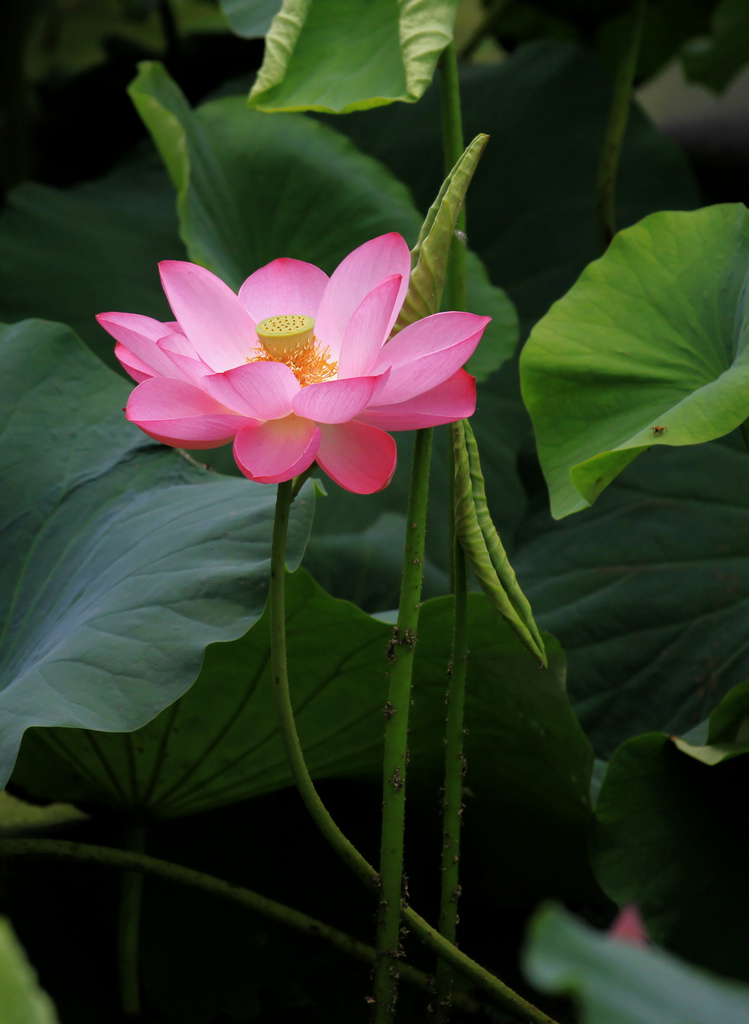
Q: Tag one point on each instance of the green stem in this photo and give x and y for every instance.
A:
(452, 131)
(452, 144)
(401, 656)
(131, 900)
(452, 801)
(745, 433)
(142, 865)
(284, 709)
(483, 979)
(617, 124)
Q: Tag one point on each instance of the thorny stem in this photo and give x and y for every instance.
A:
(452, 131)
(617, 125)
(401, 657)
(142, 865)
(452, 800)
(131, 899)
(483, 979)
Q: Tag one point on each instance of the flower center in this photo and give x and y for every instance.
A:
(290, 339)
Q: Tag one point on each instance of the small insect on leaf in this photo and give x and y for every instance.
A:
(658, 431)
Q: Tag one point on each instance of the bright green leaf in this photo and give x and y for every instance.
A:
(123, 560)
(22, 1001)
(650, 347)
(617, 983)
(335, 56)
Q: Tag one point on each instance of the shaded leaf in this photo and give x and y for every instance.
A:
(94, 247)
(336, 56)
(618, 983)
(220, 742)
(650, 346)
(250, 19)
(123, 560)
(668, 837)
(714, 60)
(649, 592)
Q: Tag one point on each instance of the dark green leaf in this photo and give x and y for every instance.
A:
(649, 592)
(714, 60)
(220, 743)
(670, 837)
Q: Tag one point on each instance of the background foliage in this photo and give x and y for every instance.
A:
(113, 543)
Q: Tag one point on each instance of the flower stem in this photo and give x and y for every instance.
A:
(452, 132)
(452, 800)
(617, 124)
(284, 709)
(478, 975)
(401, 656)
(131, 900)
(452, 144)
(139, 864)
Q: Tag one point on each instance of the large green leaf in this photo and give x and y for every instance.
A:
(21, 999)
(123, 561)
(336, 56)
(617, 983)
(668, 838)
(220, 742)
(651, 346)
(649, 592)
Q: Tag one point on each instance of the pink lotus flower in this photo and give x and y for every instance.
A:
(297, 367)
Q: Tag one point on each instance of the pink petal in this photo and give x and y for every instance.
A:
(209, 313)
(123, 326)
(358, 457)
(284, 286)
(137, 369)
(454, 399)
(368, 329)
(179, 413)
(277, 450)
(186, 364)
(357, 275)
(334, 401)
(262, 390)
(139, 334)
(426, 353)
